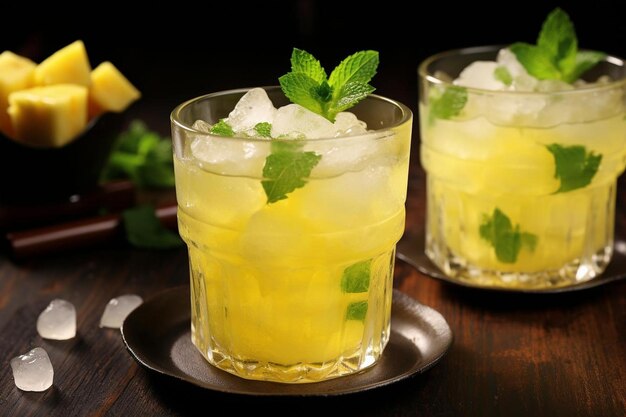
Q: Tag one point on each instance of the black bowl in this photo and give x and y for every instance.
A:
(36, 175)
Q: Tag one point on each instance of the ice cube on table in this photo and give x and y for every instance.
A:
(253, 108)
(57, 321)
(33, 371)
(118, 309)
(296, 121)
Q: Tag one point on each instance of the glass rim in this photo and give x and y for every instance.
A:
(425, 75)
(175, 118)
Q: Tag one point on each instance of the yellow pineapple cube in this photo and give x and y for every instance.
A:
(69, 65)
(110, 90)
(49, 116)
(16, 73)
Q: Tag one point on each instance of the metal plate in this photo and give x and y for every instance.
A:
(410, 249)
(158, 335)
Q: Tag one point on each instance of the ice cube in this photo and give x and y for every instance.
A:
(480, 74)
(295, 121)
(347, 124)
(253, 108)
(202, 126)
(57, 321)
(522, 81)
(33, 371)
(117, 310)
(231, 156)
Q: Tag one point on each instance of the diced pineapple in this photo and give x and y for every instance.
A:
(16, 73)
(49, 116)
(110, 90)
(69, 65)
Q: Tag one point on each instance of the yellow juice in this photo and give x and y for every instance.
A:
(490, 165)
(298, 290)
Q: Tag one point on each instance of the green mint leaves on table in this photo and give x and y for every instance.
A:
(556, 55)
(286, 168)
(144, 230)
(356, 277)
(222, 128)
(308, 85)
(141, 156)
(575, 167)
(447, 104)
(507, 240)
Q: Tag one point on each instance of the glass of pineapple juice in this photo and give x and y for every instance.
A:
(297, 290)
(521, 185)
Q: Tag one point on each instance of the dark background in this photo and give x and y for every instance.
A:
(184, 50)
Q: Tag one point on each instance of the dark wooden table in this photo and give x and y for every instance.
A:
(512, 355)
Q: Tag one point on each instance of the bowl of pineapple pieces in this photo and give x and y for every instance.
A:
(58, 122)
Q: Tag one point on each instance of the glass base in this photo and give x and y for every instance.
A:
(296, 373)
(574, 272)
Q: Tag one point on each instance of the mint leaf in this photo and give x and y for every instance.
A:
(286, 169)
(304, 62)
(142, 156)
(359, 67)
(537, 61)
(558, 38)
(503, 75)
(300, 89)
(585, 60)
(356, 277)
(505, 239)
(575, 167)
(556, 55)
(357, 311)
(263, 129)
(222, 128)
(449, 104)
(308, 86)
(144, 230)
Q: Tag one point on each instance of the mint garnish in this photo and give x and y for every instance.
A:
(356, 277)
(222, 128)
(505, 239)
(142, 156)
(556, 55)
(357, 311)
(503, 75)
(144, 230)
(286, 168)
(263, 129)
(448, 104)
(308, 85)
(575, 167)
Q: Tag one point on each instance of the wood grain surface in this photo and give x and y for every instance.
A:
(512, 355)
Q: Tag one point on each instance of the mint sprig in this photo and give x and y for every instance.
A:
(357, 311)
(575, 166)
(222, 128)
(556, 55)
(263, 129)
(144, 230)
(447, 104)
(506, 240)
(286, 169)
(308, 85)
(503, 75)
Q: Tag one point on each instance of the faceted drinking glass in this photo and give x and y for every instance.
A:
(520, 185)
(296, 290)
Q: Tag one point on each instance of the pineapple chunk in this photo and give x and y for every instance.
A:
(16, 73)
(49, 116)
(110, 90)
(69, 65)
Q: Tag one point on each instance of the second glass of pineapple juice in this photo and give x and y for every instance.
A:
(297, 290)
(521, 185)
